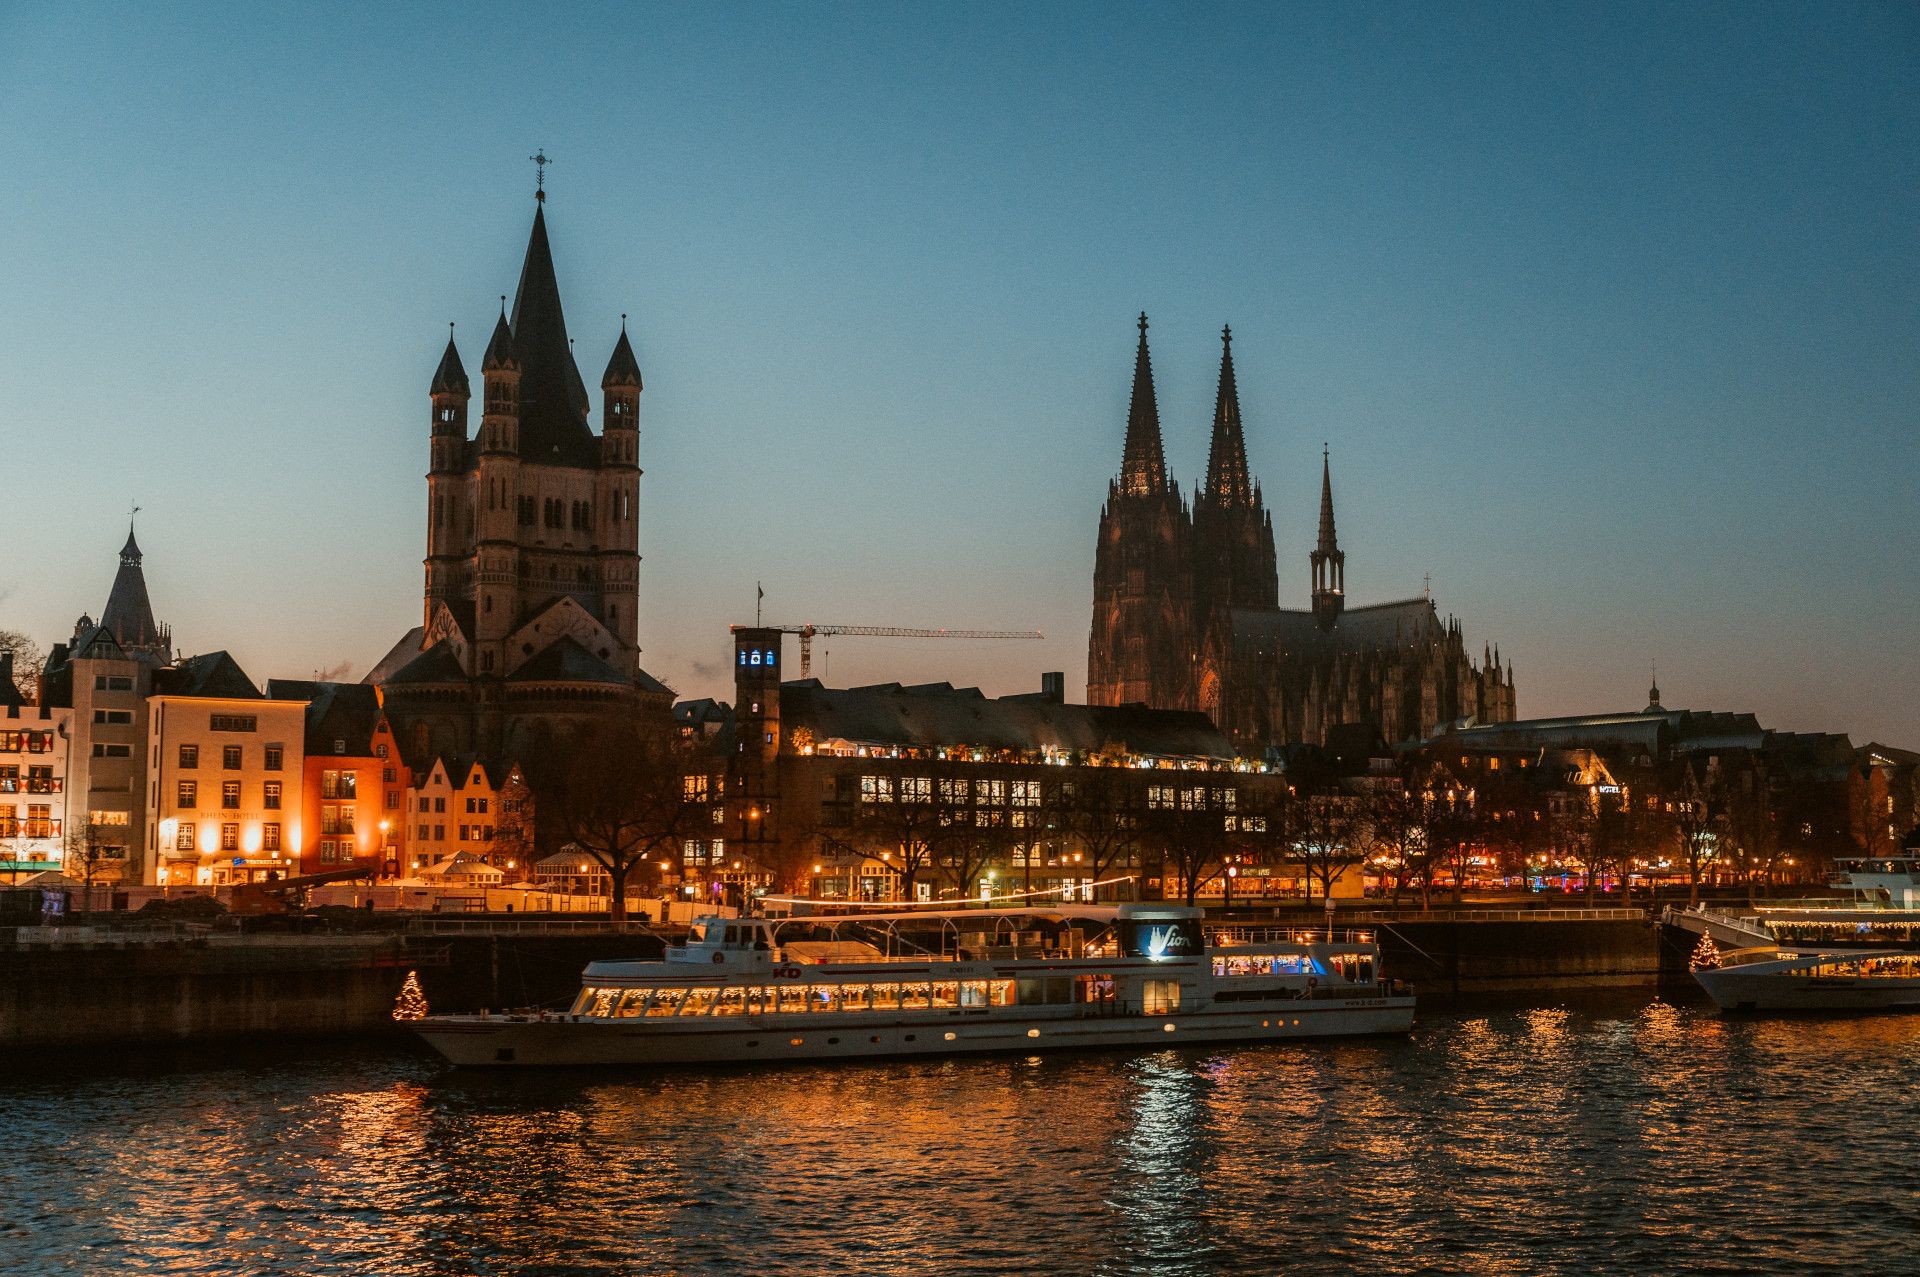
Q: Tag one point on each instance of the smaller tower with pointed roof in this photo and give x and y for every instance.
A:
(1329, 562)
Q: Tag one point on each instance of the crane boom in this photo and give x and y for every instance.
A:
(806, 633)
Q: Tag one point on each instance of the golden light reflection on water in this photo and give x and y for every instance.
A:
(1617, 1134)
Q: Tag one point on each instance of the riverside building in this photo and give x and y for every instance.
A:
(33, 779)
(933, 792)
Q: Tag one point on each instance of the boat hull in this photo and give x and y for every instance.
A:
(1735, 990)
(521, 1041)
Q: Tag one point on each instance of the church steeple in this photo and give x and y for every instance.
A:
(1328, 560)
(1143, 467)
(553, 398)
(1228, 485)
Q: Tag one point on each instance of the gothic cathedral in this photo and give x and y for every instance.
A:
(532, 571)
(1186, 610)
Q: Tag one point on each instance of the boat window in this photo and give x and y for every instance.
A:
(1000, 992)
(1040, 990)
(1093, 988)
(793, 997)
(629, 1003)
(946, 993)
(696, 933)
(699, 1001)
(583, 1004)
(973, 993)
(730, 1002)
(1159, 997)
(603, 1000)
(827, 997)
(666, 1001)
(1263, 965)
(915, 996)
(886, 997)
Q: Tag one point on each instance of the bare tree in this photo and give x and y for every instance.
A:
(1753, 836)
(1696, 818)
(1192, 838)
(1396, 834)
(1448, 828)
(619, 796)
(1100, 811)
(28, 661)
(84, 847)
(1330, 833)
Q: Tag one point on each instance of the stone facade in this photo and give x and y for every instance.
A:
(1186, 608)
(531, 616)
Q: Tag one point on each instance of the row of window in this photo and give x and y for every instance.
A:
(187, 837)
(468, 833)
(954, 791)
(231, 758)
(187, 795)
(38, 824)
(26, 742)
(475, 806)
(698, 851)
(38, 780)
(1191, 798)
(795, 999)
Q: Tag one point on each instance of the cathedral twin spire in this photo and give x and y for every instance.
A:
(1143, 467)
(1228, 484)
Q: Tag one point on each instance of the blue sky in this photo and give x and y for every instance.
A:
(1610, 315)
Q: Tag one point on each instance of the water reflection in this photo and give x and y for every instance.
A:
(1599, 1134)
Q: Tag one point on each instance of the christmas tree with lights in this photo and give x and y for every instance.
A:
(412, 1003)
(1706, 955)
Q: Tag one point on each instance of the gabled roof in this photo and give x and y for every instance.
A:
(933, 716)
(566, 661)
(437, 664)
(398, 655)
(346, 712)
(214, 674)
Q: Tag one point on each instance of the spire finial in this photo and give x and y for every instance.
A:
(503, 305)
(540, 162)
(1226, 333)
(1143, 325)
(623, 321)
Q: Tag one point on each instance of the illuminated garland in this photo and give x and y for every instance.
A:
(1706, 954)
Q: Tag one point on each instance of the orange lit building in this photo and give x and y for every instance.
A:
(478, 807)
(353, 785)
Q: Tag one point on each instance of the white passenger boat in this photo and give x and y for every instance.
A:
(930, 983)
(1772, 979)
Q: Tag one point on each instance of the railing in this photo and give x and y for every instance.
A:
(493, 925)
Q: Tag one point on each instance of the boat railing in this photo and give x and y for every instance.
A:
(1233, 937)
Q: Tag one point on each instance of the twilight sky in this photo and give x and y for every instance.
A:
(1610, 315)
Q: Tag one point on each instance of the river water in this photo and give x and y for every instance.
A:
(1602, 1134)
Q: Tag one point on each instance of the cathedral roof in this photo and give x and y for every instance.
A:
(553, 399)
(1381, 625)
(450, 378)
(409, 647)
(623, 369)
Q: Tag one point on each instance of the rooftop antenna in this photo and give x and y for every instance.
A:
(540, 162)
(758, 595)
(1426, 585)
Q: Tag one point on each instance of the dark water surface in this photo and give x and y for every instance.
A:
(1600, 1134)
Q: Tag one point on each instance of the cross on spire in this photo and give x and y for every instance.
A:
(540, 162)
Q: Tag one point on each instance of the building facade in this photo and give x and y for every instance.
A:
(473, 808)
(34, 742)
(1186, 608)
(353, 786)
(531, 608)
(225, 777)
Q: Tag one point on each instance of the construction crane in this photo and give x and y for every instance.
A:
(807, 632)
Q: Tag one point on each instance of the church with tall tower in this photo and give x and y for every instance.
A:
(1187, 615)
(531, 609)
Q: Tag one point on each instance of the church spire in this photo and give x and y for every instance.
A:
(1143, 468)
(1328, 560)
(1228, 484)
(553, 398)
